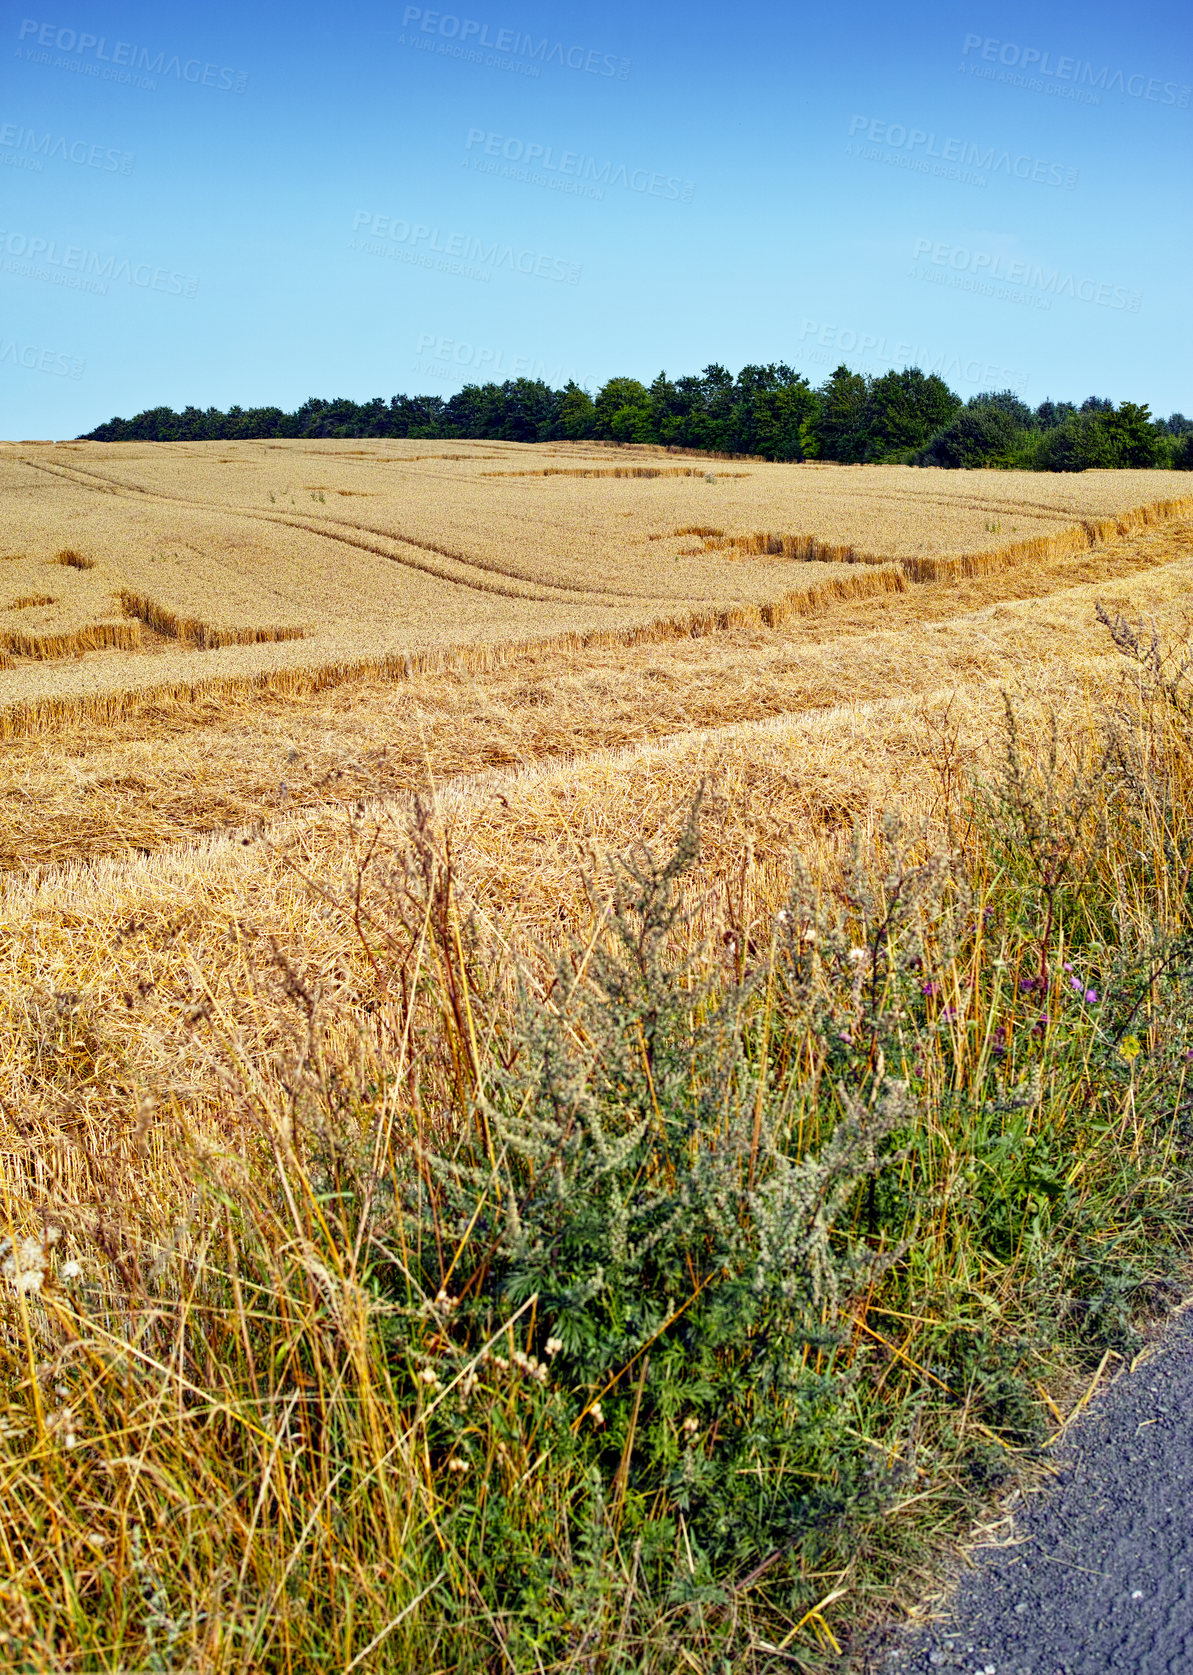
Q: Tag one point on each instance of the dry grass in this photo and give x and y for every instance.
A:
(618, 471)
(59, 707)
(142, 940)
(801, 728)
(97, 636)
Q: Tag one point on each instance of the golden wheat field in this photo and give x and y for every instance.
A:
(155, 858)
(571, 725)
(142, 567)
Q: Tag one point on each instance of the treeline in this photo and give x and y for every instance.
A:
(908, 417)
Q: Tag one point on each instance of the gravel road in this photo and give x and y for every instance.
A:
(1100, 1576)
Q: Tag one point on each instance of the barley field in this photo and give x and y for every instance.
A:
(318, 758)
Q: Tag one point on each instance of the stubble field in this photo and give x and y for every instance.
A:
(553, 659)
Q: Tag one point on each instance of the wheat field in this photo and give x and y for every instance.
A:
(192, 811)
(221, 794)
(153, 861)
(285, 563)
(218, 808)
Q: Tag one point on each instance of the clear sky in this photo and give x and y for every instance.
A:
(256, 203)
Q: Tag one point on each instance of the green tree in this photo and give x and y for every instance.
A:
(667, 410)
(904, 410)
(981, 434)
(1079, 444)
(577, 413)
(1133, 437)
(634, 424)
(616, 394)
(839, 426)
(782, 418)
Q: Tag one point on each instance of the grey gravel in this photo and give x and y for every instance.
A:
(1100, 1576)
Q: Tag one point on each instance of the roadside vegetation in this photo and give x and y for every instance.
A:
(906, 417)
(668, 1297)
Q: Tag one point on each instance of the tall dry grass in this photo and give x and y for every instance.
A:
(196, 633)
(616, 471)
(1081, 537)
(287, 1387)
(97, 636)
(53, 712)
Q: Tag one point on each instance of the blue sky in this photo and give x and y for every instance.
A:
(256, 204)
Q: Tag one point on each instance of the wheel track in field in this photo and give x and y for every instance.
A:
(509, 583)
(181, 800)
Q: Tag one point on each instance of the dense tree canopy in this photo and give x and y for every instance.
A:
(772, 411)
